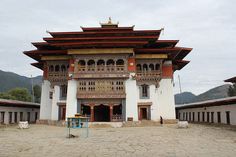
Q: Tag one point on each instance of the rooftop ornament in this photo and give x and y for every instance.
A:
(109, 23)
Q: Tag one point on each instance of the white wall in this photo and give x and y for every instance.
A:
(162, 99)
(18, 110)
(131, 98)
(46, 102)
(55, 99)
(71, 101)
(165, 99)
(215, 109)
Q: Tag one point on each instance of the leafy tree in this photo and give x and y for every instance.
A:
(37, 93)
(21, 94)
(232, 90)
(7, 96)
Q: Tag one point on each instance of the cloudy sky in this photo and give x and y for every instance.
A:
(208, 26)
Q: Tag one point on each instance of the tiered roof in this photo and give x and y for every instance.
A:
(232, 80)
(109, 35)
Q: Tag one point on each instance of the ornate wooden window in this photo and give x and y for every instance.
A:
(144, 92)
(100, 65)
(151, 67)
(157, 66)
(91, 65)
(63, 68)
(120, 65)
(51, 68)
(82, 85)
(81, 65)
(139, 68)
(110, 65)
(145, 67)
(63, 91)
(57, 68)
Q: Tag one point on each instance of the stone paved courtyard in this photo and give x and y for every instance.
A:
(42, 140)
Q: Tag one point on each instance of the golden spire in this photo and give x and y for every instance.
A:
(109, 23)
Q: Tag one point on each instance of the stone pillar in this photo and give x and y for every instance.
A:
(55, 99)
(46, 102)
(71, 101)
(111, 112)
(91, 113)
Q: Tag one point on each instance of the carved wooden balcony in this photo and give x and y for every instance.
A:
(149, 77)
(101, 89)
(108, 71)
(57, 78)
(88, 94)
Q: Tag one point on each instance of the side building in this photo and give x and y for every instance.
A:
(13, 111)
(108, 73)
(211, 111)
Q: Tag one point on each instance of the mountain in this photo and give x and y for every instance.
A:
(183, 98)
(214, 93)
(9, 80)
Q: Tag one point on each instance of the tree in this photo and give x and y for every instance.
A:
(37, 93)
(7, 96)
(21, 94)
(232, 90)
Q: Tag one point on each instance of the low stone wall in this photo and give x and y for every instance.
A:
(142, 123)
(52, 122)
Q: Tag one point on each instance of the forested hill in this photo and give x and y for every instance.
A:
(214, 93)
(9, 80)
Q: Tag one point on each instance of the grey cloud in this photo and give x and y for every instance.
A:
(206, 25)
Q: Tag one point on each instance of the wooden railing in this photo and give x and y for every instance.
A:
(152, 73)
(101, 68)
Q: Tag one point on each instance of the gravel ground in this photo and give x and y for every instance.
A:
(168, 140)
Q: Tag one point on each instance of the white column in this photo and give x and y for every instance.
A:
(71, 101)
(6, 118)
(55, 99)
(165, 98)
(46, 102)
(131, 98)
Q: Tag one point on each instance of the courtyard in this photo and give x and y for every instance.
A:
(168, 140)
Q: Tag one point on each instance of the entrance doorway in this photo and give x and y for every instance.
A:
(62, 110)
(144, 113)
(101, 113)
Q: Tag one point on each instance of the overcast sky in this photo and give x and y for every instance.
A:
(207, 26)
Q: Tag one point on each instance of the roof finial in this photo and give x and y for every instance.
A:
(109, 23)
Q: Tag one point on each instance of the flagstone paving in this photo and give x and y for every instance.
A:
(43, 140)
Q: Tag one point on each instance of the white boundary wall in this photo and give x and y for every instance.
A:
(222, 109)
